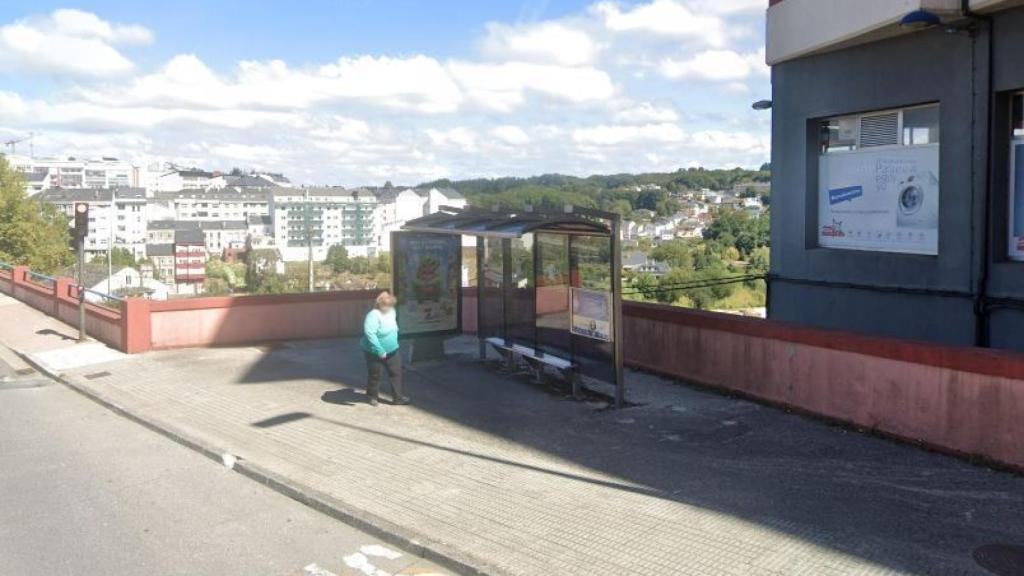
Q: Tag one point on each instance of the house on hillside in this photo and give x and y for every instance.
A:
(129, 282)
(640, 263)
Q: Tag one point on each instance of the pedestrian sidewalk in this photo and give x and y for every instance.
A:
(48, 342)
(493, 474)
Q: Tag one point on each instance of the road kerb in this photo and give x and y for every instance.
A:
(389, 532)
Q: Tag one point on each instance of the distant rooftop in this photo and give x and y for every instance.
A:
(322, 191)
(194, 236)
(54, 195)
(179, 225)
(229, 193)
(159, 250)
(252, 181)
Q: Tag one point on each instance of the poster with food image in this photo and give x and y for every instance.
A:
(427, 278)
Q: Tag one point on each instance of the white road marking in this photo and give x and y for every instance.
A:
(314, 570)
(359, 561)
(378, 550)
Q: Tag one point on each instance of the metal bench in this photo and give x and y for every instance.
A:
(536, 361)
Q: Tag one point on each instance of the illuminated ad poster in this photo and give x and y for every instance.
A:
(1017, 203)
(427, 277)
(591, 314)
(880, 200)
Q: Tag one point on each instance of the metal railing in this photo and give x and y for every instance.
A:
(51, 281)
(41, 279)
(120, 300)
(708, 282)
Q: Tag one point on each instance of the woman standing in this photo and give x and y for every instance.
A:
(380, 345)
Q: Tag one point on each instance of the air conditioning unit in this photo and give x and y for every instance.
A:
(879, 130)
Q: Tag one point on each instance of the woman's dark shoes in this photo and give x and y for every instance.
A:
(401, 401)
(372, 401)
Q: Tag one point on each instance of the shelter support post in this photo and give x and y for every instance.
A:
(480, 332)
(618, 348)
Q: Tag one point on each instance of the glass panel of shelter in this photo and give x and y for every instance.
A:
(491, 287)
(590, 265)
(521, 303)
(528, 303)
(553, 321)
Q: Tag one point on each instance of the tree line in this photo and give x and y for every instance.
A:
(621, 193)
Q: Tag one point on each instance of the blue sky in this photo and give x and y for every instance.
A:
(361, 91)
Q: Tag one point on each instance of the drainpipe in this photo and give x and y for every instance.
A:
(981, 308)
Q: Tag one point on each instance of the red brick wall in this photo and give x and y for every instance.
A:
(961, 400)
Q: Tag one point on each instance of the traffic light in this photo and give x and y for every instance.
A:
(81, 220)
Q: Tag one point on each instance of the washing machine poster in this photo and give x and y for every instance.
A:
(1017, 204)
(427, 278)
(880, 200)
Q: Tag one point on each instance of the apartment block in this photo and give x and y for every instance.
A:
(314, 219)
(117, 216)
(75, 173)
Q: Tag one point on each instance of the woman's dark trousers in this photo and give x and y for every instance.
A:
(375, 366)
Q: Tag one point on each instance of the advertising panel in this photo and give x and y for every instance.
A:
(1016, 247)
(427, 272)
(591, 314)
(884, 200)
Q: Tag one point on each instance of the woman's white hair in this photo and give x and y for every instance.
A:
(385, 299)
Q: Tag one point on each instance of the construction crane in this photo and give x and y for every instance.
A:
(11, 144)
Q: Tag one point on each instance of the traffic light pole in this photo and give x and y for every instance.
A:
(81, 290)
(81, 231)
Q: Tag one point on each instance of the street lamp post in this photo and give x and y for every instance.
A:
(112, 216)
(308, 218)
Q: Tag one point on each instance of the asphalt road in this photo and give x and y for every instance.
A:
(84, 491)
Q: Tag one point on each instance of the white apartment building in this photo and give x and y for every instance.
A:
(70, 172)
(217, 236)
(191, 179)
(399, 205)
(117, 216)
(323, 217)
(211, 205)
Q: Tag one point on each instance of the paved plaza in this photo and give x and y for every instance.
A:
(493, 473)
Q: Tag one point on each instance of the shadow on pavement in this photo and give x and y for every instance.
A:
(887, 503)
(52, 332)
(344, 397)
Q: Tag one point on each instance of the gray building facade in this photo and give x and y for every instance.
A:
(966, 288)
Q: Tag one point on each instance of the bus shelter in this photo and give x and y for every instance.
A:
(548, 286)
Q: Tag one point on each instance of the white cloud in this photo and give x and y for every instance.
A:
(646, 113)
(459, 137)
(416, 83)
(342, 129)
(88, 25)
(509, 134)
(249, 152)
(504, 87)
(580, 94)
(665, 18)
(729, 6)
(89, 116)
(723, 140)
(546, 42)
(718, 65)
(71, 42)
(611, 135)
